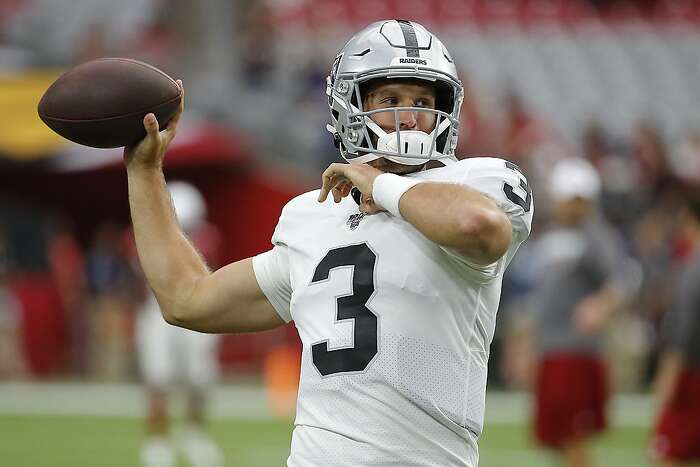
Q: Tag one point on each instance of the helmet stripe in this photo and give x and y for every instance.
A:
(409, 36)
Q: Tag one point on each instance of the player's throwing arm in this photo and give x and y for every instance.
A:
(189, 295)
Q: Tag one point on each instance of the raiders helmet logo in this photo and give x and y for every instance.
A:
(413, 61)
(410, 61)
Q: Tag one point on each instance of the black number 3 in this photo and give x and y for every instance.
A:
(512, 195)
(355, 358)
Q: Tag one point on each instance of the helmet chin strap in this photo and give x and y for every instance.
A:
(415, 145)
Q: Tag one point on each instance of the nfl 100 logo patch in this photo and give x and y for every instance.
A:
(355, 219)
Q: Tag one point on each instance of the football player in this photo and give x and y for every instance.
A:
(169, 356)
(581, 280)
(393, 284)
(677, 434)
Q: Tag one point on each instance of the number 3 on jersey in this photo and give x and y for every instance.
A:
(510, 190)
(356, 358)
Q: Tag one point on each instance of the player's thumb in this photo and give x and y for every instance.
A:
(150, 123)
(145, 151)
(152, 142)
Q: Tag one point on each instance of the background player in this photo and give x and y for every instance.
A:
(579, 286)
(677, 435)
(395, 310)
(12, 362)
(169, 355)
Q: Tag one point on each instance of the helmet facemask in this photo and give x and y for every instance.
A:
(362, 140)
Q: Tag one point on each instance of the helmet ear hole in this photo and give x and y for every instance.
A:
(444, 97)
(440, 142)
(373, 137)
(355, 99)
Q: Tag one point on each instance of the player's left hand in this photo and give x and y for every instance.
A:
(341, 178)
(590, 316)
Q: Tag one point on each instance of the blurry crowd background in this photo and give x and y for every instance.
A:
(615, 82)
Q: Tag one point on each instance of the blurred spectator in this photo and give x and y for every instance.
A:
(111, 287)
(257, 43)
(656, 243)
(68, 270)
(677, 388)
(523, 131)
(12, 362)
(311, 108)
(649, 151)
(684, 158)
(45, 336)
(477, 135)
(169, 355)
(620, 197)
(595, 145)
(579, 285)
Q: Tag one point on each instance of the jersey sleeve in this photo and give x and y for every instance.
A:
(682, 319)
(505, 184)
(272, 273)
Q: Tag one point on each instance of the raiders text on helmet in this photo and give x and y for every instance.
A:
(385, 50)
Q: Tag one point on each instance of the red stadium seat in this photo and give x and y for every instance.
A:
(364, 12)
(455, 12)
(676, 11)
(498, 12)
(421, 11)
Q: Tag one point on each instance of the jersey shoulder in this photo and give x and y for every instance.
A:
(298, 214)
(475, 167)
(301, 203)
(499, 179)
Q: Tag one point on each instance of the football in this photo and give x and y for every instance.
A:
(102, 103)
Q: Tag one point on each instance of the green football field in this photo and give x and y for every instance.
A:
(47, 432)
(80, 441)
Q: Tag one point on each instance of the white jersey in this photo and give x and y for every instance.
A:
(395, 328)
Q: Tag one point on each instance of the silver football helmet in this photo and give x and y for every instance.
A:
(385, 50)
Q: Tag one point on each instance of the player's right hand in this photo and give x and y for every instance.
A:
(339, 179)
(590, 316)
(150, 151)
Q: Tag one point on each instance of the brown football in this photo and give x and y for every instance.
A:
(101, 103)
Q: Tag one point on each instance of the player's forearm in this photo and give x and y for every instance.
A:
(170, 263)
(610, 299)
(458, 217)
(667, 376)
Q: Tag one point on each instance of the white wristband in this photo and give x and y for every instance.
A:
(388, 189)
